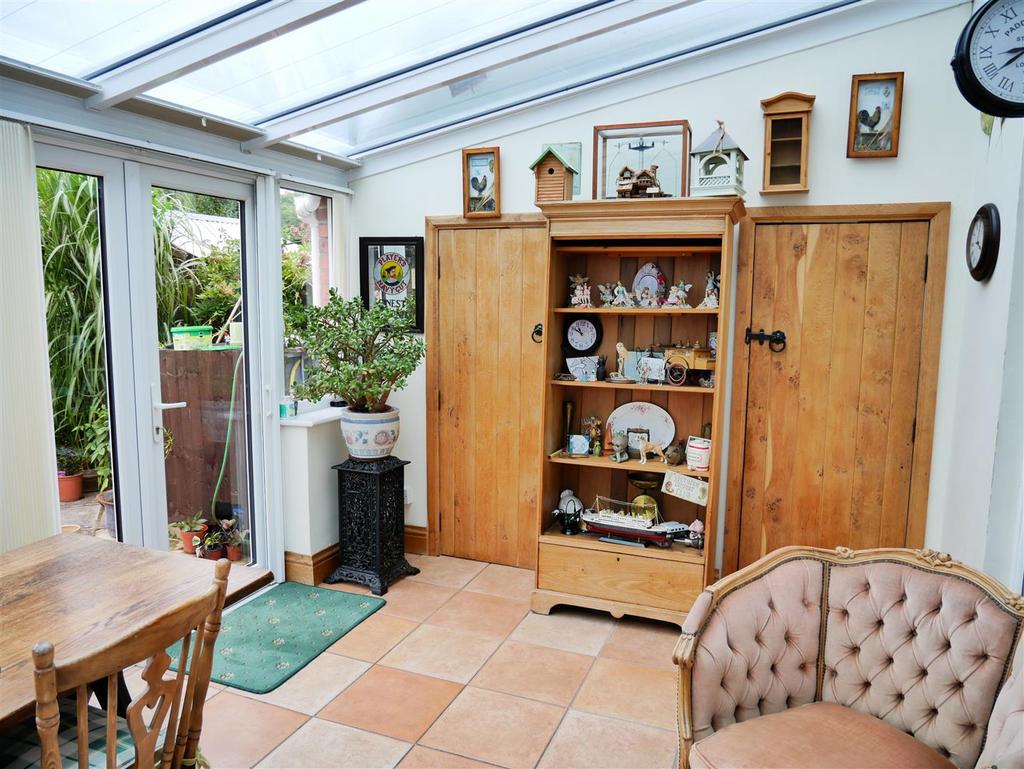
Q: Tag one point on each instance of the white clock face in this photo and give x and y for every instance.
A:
(976, 241)
(582, 334)
(997, 50)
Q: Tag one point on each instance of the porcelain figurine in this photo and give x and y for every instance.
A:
(677, 294)
(623, 353)
(650, 447)
(622, 297)
(605, 290)
(620, 446)
(602, 367)
(674, 454)
(579, 291)
(570, 508)
(592, 426)
(710, 292)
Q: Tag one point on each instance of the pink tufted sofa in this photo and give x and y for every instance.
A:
(875, 658)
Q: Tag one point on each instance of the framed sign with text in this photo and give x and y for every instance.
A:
(391, 270)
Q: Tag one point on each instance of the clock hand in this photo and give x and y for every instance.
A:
(1018, 52)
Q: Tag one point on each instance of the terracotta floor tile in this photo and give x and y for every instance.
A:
(494, 727)
(453, 655)
(414, 600)
(535, 672)
(630, 691)
(444, 570)
(586, 741)
(315, 685)
(238, 731)
(323, 744)
(505, 581)
(571, 630)
(374, 637)
(427, 758)
(480, 613)
(347, 587)
(392, 702)
(647, 642)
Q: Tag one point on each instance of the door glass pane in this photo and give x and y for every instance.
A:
(199, 244)
(73, 275)
(306, 277)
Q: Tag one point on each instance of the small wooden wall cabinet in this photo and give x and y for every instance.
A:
(610, 240)
(787, 126)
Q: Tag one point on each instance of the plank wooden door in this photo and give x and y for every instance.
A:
(490, 294)
(828, 443)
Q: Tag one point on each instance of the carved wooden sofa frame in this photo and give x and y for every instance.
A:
(795, 593)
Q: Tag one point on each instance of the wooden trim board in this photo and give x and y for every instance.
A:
(937, 216)
(416, 540)
(311, 569)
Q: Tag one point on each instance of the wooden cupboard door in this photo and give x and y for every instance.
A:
(490, 295)
(829, 434)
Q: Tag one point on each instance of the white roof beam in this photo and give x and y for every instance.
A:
(208, 46)
(531, 43)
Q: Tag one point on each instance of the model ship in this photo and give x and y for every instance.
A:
(636, 525)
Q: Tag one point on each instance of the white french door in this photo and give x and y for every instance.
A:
(189, 427)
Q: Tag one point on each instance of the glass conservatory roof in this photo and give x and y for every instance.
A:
(350, 77)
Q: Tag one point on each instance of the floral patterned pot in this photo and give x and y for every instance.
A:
(369, 436)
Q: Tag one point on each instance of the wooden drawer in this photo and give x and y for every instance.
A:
(634, 579)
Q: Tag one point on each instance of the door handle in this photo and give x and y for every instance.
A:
(159, 407)
(538, 333)
(776, 339)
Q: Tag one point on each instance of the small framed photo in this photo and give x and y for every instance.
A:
(635, 437)
(876, 102)
(642, 160)
(481, 182)
(391, 271)
(579, 445)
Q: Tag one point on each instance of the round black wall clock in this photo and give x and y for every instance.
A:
(983, 242)
(988, 62)
(583, 335)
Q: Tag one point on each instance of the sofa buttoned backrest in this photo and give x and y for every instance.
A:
(910, 637)
(926, 652)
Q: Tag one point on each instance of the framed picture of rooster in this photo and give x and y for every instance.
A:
(481, 182)
(876, 102)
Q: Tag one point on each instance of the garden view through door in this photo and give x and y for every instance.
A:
(201, 404)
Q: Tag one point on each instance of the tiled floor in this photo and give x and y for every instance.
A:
(456, 672)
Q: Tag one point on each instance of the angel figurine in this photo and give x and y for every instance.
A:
(710, 300)
(647, 298)
(605, 290)
(622, 296)
(677, 294)
(579, 295)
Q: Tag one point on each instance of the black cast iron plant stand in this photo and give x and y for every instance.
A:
(371, 502)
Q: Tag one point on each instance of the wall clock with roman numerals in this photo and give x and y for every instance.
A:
(988, 63)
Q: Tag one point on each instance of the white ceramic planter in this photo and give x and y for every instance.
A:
(369, 436)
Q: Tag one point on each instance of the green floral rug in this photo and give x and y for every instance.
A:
(267, 640)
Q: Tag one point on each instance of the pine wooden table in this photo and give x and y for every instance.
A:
(84, 595)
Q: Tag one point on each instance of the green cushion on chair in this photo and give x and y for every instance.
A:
(20, 749)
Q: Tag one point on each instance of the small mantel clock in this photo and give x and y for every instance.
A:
(988, 62)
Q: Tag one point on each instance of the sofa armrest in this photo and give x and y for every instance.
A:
(683, 656)
(1004, 739)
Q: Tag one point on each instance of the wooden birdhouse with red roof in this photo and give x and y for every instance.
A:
(554, 176)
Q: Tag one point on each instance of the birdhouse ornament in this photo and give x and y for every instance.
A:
(717, 166)
(553, 175)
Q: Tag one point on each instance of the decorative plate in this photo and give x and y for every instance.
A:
(646, 415)
(649, 277)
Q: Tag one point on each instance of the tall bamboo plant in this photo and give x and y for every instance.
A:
(73, 281)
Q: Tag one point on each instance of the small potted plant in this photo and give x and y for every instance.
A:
(233, 538)
(210, 547)
(361, 354)
(70, 464)
(192, 527)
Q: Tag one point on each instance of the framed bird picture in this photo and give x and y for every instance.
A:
(481, 182)
(876, 102)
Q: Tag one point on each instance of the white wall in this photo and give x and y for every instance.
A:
(938, 152)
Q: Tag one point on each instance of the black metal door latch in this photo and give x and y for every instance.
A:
(538, 333)
(776, 340)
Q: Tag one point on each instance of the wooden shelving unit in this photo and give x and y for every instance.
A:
(609, 241)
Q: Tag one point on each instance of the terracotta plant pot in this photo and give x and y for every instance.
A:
(186, 538)
(69, 487)
(214, 553)
(234, 552)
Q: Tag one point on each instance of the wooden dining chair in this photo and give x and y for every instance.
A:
(172, 706)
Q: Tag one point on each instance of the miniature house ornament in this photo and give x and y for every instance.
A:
(553, 175)
(717, 166)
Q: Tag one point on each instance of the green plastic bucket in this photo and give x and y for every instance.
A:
(191, 337)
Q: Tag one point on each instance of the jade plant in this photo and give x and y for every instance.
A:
(360, 354)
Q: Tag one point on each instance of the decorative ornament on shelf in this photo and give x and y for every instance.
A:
(639, 184)
(622, 297)
(554, 176)
(717, 166)
(710, 300)
(605, 290)
(579, 291)
(677, 295)
(620, 447)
